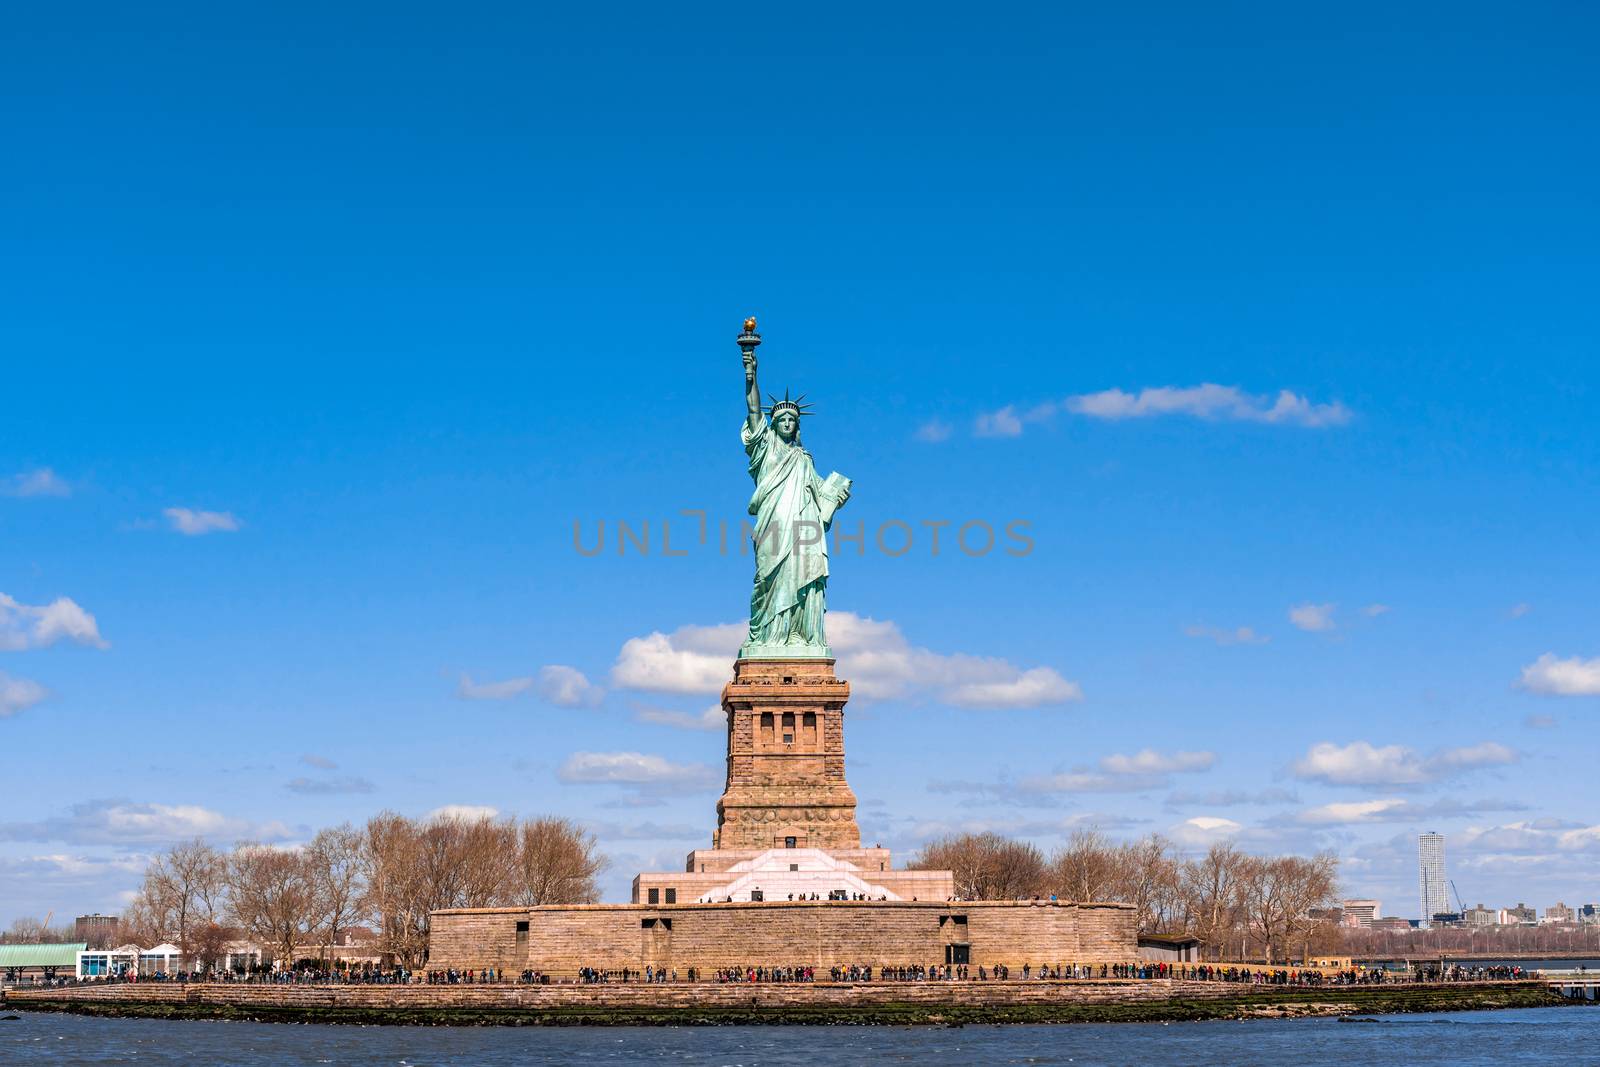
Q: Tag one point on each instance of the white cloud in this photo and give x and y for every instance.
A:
(322, 762)
(1397, 809)
(1517, 611)
(713, 718)
(193, 523)
(1009, 422)
(1242, 635)
(873, 655)
(467, 689)
(1315, 618)
(567, 687)
(1202, 831)
(1362, 763)
(121, 822)
(40, 482)
(691, 659)
(1078, 781)
(25, 626)
(1002, 423)
(18, 694)
(461, 813)
(933, 431)
(632, 768)
(1149, 761)
(1210, 402)
(1032, 688)
(1354, 811)
(1372, 611)
(1573, 677)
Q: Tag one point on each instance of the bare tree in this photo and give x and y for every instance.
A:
(209, 945)
(1213, 895)
(334, 864)
(1086, 868)
(557, 863)
(30, 929)
(183, 888)
(273, 897)
(986, 866)
(391, 858)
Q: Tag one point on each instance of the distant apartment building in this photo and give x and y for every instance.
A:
(1360, 913)
(97, 931)
(1431, 883)
(1589, 913)
(1559, 913)
(1481, 916)
(1521, 915)
(1392, 924)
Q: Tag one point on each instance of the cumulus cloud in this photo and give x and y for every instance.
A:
(713, 718)
(330, 786)
(122, 822)
(1362, 763)
(691, 659)
(192, 522)
(873, 654)
(1009, 422)
(461, 813)
(1573, 677)
(1397, 809)
(24, 626)
(1216, 403)
(933, 431)
(1149, 761)
(1202, 831)
(1242, 635)
(633, 768)
(1118, 773)
(1316, 618)
(467, 689)
(568, 687)
(18, 694)
(40, 482)
(1032, 688)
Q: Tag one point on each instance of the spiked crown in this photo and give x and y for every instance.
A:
(797, 405)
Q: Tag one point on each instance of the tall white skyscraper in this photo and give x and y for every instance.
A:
(1430, 875)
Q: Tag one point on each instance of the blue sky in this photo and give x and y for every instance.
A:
(322, 327)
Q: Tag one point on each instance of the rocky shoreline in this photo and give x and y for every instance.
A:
(882, 1005)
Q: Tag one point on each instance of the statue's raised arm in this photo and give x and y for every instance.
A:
(752, 392)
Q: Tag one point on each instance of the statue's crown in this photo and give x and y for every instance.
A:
(797, 405)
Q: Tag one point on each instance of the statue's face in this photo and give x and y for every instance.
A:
(786, 424)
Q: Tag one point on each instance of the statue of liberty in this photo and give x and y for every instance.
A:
(793, 509)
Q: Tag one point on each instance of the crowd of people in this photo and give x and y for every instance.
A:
(855, 973)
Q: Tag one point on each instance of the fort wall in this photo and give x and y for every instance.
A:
(559, 940)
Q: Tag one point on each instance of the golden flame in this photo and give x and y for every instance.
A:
(750, 324)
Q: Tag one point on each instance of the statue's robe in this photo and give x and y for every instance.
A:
(786, 604)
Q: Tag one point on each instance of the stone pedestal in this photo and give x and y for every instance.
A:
(786, 785)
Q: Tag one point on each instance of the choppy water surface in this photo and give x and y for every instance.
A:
(1464, 1039)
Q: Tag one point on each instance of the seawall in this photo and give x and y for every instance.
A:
(706, 1003)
